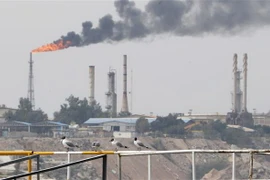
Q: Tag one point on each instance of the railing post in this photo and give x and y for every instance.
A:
(104, 169)
(233, 166)
(149, 167)
(119, 167)
(68, 168)
(193, 166)
(250, 165)
(30, 166)
(38, 176)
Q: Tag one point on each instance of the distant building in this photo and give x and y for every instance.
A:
(3, 110)
(114, 124)
(120, 127)
(50, 128)
(42, 128)
(11, 126)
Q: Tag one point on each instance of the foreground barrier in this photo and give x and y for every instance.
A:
(103, 154)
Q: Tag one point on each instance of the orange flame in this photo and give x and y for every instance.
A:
(53, 46)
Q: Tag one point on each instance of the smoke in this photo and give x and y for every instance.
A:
(178, 17)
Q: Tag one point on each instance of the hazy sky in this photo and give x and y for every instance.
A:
(170, 73)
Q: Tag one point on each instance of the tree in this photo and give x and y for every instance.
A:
(78, 111)
(142, 125)
(169, 125)
(25, 113)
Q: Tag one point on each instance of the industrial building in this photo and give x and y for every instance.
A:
(43, 128)
(120, 127)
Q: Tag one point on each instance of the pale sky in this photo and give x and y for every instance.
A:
(171, 74)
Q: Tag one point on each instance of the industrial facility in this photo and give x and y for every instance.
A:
(111, 94)
(239, 114)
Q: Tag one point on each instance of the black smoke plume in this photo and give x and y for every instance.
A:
(178, 17)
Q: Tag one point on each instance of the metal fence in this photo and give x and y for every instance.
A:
(104, 168)
(23, 159)
(121, 154)
(102, 155)
(251, 153)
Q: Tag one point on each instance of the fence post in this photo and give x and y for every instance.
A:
(38, 176)
(233, 166)
(30, 166)
(119, 167)
(149, 167)
(68, 168)
(250, 165)
(193, 166)
(104, 169)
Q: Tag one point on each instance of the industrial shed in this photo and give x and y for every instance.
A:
(11, 126)
(50, 128)
(114, 124)
(118, 126)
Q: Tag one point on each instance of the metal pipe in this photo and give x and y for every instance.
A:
(149, 167)
(68, 168)
(38, 167)
(30, 166)
(140, 153)
(104, 169)
(19, 160)
(250, 165)
(10, 153)
(193, 166)
(119, 167)
(233, 166)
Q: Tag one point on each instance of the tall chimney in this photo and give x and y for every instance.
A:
(125, 100)
(235, 83)
(92, 84)
(245, 82)
(111, 95)
(31, 94)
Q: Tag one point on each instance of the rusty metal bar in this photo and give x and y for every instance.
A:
(250, 165)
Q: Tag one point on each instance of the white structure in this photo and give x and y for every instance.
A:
(118, 126)
(121, 127)
(92, 84)
(125, 99)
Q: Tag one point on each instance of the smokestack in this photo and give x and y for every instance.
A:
(245, 82)
(235, 83)
(111, 95)
(125, 100)
(31, 94)
(92, 84)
